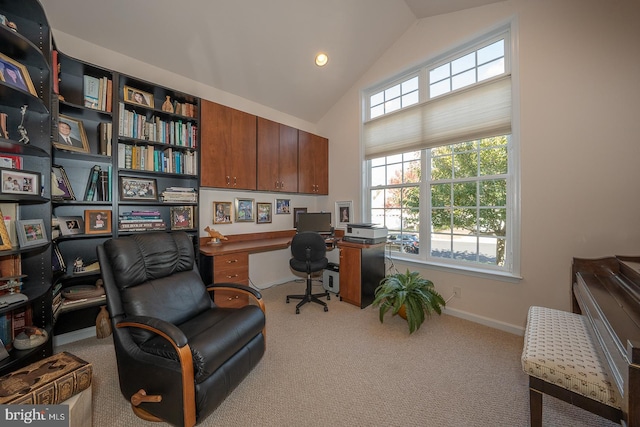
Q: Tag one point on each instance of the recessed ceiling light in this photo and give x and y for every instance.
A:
(321, 59)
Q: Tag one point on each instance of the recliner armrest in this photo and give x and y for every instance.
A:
(157, 326)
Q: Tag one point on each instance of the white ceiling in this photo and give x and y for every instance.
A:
(261, 50)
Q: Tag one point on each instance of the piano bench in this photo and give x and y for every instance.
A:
(563, 361)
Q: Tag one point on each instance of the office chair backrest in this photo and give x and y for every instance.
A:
(152, 274)
(311, 240)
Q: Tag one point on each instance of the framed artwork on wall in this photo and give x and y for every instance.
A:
(222, 212)
(244, 210)
(264, 213)
(296, 212)
(344, 213)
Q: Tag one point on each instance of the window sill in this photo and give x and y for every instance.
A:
(456, 269)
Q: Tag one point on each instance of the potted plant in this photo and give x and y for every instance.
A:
(409, 295)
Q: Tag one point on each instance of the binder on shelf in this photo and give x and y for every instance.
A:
(91, 92)
(92, 184)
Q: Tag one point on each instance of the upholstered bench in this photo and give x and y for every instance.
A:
(562, 360)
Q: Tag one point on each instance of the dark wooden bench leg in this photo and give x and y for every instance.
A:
(535, 407)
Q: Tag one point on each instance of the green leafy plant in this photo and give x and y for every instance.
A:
(409, 290)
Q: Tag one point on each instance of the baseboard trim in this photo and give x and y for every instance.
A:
(492, 323)
(74, 336)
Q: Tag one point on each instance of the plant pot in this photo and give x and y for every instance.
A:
(403, 312)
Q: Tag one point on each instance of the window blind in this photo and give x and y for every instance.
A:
(482, 110)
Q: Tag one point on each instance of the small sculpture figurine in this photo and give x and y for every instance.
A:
(215, 236)
(21, 129)
(78, 265)
(166, 105)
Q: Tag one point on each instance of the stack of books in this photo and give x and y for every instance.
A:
(141, 221)
(179, 195)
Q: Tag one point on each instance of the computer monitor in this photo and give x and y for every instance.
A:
(319, 222)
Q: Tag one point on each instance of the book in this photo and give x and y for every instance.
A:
(91, 91)
(92, 184)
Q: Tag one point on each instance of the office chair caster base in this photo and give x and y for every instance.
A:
(326, 308)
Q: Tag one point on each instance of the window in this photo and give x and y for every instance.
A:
(442, 171)
(395, 97)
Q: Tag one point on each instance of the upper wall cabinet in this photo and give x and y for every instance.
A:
(278, 154)
(228, 147)
(313, 164)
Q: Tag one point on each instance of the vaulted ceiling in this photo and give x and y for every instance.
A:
(261, 50)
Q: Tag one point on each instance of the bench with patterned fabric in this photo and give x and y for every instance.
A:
(563, 361)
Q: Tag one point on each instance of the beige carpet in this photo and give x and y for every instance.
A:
(344, 368)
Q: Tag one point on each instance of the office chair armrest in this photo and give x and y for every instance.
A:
(253, 293)
(158, 326)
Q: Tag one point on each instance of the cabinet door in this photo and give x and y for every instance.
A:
(350, 277)
(228, 147)
(313, 166)
(269, 155)
(288, 159)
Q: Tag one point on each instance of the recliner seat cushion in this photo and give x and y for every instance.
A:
(214, 336)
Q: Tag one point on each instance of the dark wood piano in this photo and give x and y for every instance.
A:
(607, 292)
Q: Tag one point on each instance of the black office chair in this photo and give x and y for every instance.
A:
(309, 249)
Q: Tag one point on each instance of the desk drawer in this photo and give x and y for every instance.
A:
(232, 268)
(230, 299)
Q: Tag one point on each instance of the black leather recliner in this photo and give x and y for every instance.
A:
(178, 354)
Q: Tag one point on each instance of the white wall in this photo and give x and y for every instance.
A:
(579, 66)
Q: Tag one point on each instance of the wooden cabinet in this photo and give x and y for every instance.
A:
(278, 154)
(361, 270)
(228, 147)
(313, 164)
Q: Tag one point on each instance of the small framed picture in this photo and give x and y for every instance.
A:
(136, 96)
(244, 210)
(60, 185)
(31, 232)
(344, 213)
(20, 182)
(222, 212)
(15, 74)
(97, 221)
(5, 240)
(71, 225)
(138, 188)
(282, 206)
(264, 213)
(181, 217)
(71, 135)
(296, 212)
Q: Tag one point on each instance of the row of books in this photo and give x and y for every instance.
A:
(156, 159)
(145, 220)
(13, 323)
(105, 132)
(185, 109)
(99, 185)
(98, 93)
(179, 195)
(177, 132)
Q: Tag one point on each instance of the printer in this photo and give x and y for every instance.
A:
(365, 233)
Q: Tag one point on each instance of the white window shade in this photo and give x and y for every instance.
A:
(483, 110)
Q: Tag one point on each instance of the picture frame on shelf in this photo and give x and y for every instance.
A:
(138, 97)
(181, 217)
(97, 221)
(222, 212)
(71, 135)
(5, 239)
(20, 182)
(264, 213)
(138, 189)
(344, 213)
(283, 206)
(244, 210)
(296, 212)
(60, 184)
(8, 161)
(31, 232)
(71, 225)
(15, 74)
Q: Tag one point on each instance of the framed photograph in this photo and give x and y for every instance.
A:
(138, 188)
(5, 240)
(344, 213)
(20, 182)
(264, 213)
(244, 210)
(136, 96)
(71, 225)
(222, 212)
(60, 185)
(282, 206)
(181, 217)
(97, 221)
(31, 232)
(296, 212)
(71, 135)
(15, 74)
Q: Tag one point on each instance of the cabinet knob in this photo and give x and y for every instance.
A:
(235, 181)
(231, 276)
(231, 261)
(228, 180)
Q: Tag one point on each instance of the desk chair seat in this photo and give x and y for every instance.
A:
(309, 256)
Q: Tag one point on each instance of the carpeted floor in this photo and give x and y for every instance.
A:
(345, 368)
